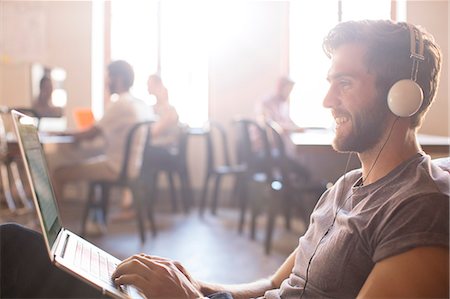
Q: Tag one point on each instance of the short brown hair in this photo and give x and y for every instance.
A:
(388, 49)
(123, 70)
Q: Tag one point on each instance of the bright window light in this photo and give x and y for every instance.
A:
(308, 63)
(59, 97)
(365, 9)
(184, 58)
(178, 42)
(134, 38)
(97, 58)
(310, 21)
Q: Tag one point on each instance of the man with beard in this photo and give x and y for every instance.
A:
(380, 231)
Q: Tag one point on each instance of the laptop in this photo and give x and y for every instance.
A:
(66, 250)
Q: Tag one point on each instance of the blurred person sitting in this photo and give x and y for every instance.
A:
(42, 105)
(164, 137)
(276, 108)
(81, 161)
(165, 129)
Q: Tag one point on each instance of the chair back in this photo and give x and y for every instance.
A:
(216, 140)
(137, 138)
(182, 146)
(252, 146)
(278, 148)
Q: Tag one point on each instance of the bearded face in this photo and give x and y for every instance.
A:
(362, 129)
(358, 107)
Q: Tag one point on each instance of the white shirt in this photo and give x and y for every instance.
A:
(117, 121)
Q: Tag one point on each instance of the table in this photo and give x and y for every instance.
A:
(13, 168)
(315, 151)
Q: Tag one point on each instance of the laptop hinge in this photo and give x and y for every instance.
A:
(61, 243)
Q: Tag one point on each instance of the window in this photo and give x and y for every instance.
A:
(166, 37)
(184, 58)
(310, 21)
(134, 38)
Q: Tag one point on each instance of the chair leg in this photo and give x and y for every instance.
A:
(287, 206)
(243, 201)
(150, 209)
(237, 188)
(151, 193)
(271, 214)
(137, 200)
(154, 183)
(253, 217)
(216, 194)
(87, 208)
(173, 193)
(104, 204)
(204, 194)
(255, 207)
(186, 189)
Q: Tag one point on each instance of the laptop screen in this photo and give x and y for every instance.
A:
(35, 161)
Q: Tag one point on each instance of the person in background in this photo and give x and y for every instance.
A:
(380, 232)
(164, 138)
(165, 129)
(277, 106)
(276, 109)
(80, 161)
(42, 105)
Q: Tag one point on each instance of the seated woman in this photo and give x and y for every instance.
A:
(42, 105)
(164, 137)
(165, 129)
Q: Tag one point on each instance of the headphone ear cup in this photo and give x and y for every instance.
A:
(405, 98)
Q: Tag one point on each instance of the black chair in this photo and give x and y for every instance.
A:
(269, 171)
(172, 161)
(216, 139)
(125, 179)
(297, 186)
(252, 149)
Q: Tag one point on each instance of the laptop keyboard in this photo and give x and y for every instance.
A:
(95, 262)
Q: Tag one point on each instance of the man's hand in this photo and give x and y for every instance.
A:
(156, 277)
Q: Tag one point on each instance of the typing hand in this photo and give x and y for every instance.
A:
(156, 277)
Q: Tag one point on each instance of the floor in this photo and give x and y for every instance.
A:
(209, 247)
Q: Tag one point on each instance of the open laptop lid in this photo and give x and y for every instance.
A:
(38, 177)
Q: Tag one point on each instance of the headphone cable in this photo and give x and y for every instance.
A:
(344, 202)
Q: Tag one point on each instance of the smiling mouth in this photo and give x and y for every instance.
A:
(341, 120)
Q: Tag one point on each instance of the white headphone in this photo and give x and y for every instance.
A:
(405, 97)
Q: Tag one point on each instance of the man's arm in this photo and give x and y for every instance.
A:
(88, 134)
(420, 272)
(254, 289)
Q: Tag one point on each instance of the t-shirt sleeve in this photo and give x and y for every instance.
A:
(416, 222)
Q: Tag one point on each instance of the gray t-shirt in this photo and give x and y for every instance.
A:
(406, 209)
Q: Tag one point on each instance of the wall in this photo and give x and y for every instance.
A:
(433, 15)
(245, 69)
(54, 33)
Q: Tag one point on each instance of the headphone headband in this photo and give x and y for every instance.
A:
(416, 49)
(405, 96)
